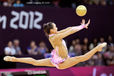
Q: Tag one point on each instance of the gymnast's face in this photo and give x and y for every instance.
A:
(54, 30)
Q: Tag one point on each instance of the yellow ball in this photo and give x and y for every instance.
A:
(81, 10)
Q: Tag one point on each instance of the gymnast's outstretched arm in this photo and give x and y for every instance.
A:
(70, 30)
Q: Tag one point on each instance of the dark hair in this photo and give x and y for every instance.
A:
(47, 27)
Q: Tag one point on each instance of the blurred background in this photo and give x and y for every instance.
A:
(21, 33)
(55, 3)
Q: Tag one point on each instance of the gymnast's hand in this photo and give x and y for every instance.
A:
(87, 24)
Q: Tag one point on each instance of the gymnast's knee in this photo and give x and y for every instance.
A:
(84, 58)
(81, 58)
(33, 62)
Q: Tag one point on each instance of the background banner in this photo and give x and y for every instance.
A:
(75, 71)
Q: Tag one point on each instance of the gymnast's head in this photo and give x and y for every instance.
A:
(50, 28)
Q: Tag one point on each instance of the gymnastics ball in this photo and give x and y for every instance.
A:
(81, 10)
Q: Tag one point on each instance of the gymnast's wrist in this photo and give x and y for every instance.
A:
(82, 26)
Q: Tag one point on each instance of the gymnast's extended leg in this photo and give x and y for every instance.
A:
(69, 62)
(41, 62)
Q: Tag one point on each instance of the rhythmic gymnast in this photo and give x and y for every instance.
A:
(59, 56)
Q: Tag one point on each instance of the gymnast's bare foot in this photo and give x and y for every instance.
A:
(100, 46)
(9, 58)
